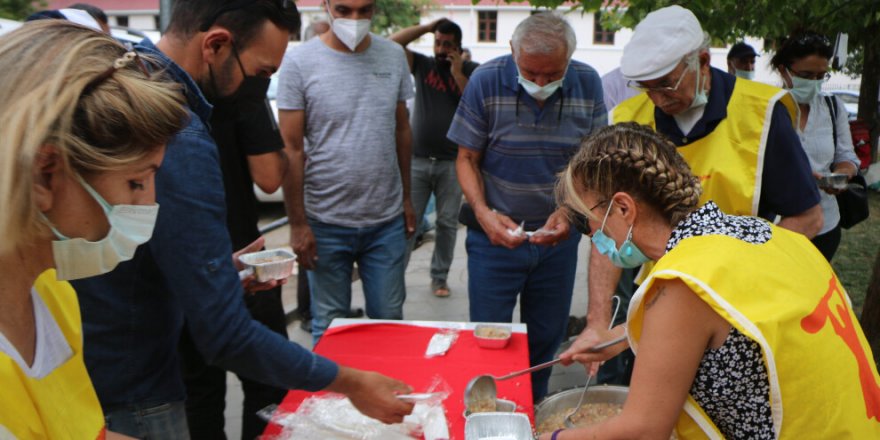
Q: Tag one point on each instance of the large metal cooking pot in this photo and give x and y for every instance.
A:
(564, 401)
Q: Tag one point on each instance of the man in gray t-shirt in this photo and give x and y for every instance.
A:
(348, 192)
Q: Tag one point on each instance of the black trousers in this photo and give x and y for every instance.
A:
(206, 384)
(828, 242)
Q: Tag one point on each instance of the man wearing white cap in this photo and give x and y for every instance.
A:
(736, 135)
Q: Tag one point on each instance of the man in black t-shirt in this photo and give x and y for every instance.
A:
(251, 151)
(439, 81)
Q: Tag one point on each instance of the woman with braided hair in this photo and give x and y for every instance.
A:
(741, 330)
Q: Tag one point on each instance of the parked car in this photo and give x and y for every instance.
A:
(850, 100)
(7, 25)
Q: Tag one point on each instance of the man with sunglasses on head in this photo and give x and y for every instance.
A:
(348, 189)
(133, 317)
(521, 119)
(440, 81)
(736, 135)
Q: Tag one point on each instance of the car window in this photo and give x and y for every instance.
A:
(848, 99)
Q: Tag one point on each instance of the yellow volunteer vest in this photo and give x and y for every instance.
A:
(62, 405)
(785, 296)
(730, 160)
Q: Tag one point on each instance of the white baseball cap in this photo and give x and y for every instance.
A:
(659, 43)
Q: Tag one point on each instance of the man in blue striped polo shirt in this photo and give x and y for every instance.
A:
(520, 120)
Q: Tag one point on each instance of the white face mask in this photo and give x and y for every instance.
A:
(804, 90)
(350, 32)
(538, 92)
(130, 226)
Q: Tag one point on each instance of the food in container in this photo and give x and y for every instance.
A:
(487, 405)
(551, 412)
(492, 335)
(274, 264)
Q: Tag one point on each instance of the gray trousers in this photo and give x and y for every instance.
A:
(437, 177)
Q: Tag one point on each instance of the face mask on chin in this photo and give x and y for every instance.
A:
(745, 74)
(627, 256)
(130, 226)
(350, 32)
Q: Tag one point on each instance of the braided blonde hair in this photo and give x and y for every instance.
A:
(46, 66)
(634, 159)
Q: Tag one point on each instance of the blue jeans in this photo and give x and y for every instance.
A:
(437, 177)
(542, 277)
(150, 422)
(379, 253)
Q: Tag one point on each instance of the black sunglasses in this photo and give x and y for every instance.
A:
(284, 5)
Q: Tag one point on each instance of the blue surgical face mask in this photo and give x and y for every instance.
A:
(628, 256)
(700, 95)
(804, 90)
(745, 74)
(130, 226)
(541, 93)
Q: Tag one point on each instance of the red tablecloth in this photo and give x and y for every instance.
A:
(398, 350)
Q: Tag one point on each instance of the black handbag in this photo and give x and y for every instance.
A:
(852, 203)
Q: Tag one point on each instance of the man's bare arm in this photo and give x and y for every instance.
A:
(407, 35)
(808, 222)
(292, 126)
(403, 137)
(268, 170)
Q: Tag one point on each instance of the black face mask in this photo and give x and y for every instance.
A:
(252, 88)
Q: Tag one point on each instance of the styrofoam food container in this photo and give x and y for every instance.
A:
(498, 426)
(274, 264)
(498, 342)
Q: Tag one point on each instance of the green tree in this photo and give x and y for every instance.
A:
(19, 9)
(393, 15)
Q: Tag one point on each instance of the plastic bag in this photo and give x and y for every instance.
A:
(333, 416)
(441, 342)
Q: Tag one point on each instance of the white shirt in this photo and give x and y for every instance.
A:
(52, 349)
(817, 139)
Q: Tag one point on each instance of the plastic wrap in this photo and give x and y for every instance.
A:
(441, 342)
(332, 416)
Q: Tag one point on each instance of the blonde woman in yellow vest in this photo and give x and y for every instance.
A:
(737, 136)
(84, 130)
(742, 329)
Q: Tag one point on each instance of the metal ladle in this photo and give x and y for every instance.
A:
(569, 423)
(482, 388)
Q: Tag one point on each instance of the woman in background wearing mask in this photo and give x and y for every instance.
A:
(802, 61)
(84, 131)
(741, 330)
